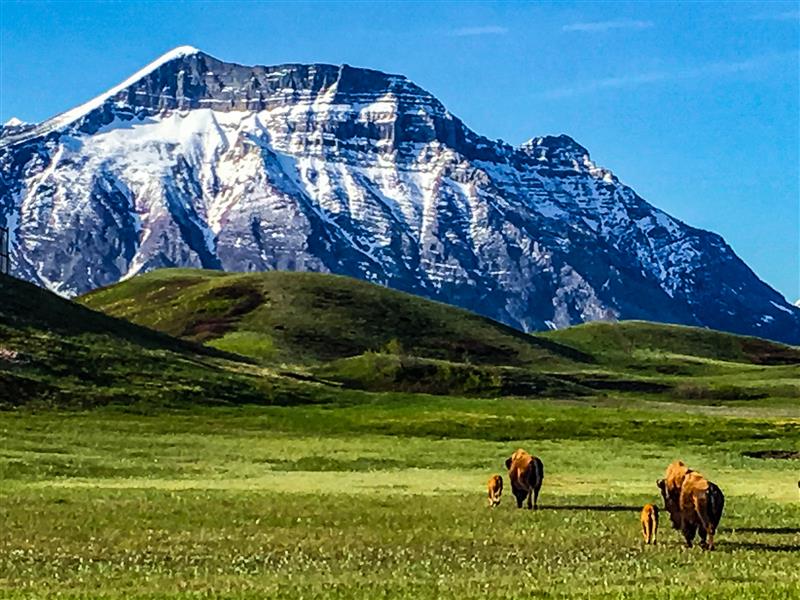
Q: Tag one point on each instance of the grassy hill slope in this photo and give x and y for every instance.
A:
(313, 318)
(368, 337)
(56, 351)
(632, 341)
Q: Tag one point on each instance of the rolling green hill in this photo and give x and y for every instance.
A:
(312, 318)
(368, 337)
(632, 341)
(58, 352)
(184, 335)
(693, 364)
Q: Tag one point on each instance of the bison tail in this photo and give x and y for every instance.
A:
(538, 472)
(653, 518)
(716, 502)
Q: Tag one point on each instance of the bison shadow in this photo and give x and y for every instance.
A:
(722, 545)
(776, 530)
(592, 507)
(725, 545)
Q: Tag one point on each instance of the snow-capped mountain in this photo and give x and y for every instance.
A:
(193, 161)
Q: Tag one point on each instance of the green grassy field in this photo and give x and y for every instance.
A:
(382, 496)
(333, 438)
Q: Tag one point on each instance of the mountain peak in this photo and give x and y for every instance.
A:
(73, 115)
(178, 52)
(562, 143)
(186, 79)
(560, 150)
(76, 113)
(195, 161)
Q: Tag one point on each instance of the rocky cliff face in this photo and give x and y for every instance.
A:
(197, 162)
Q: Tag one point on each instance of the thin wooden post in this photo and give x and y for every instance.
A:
(5, 258)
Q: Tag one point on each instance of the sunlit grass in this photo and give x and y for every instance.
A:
(245, 503)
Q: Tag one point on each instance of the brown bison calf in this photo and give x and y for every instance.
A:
(526, 473)
(649, 519)
(495, 487)
(695, 506)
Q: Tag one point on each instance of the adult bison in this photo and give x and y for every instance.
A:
(525, 473)
(694, 504)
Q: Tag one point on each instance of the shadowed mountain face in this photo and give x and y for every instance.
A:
(197, 162)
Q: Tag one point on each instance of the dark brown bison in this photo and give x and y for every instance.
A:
(495, 487)
(525, 473)
(695, 507)
(649, 520)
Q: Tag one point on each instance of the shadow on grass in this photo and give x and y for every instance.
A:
(592, 507)
(723, 546)
(776, 530)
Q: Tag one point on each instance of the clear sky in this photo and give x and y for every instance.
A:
(695, 105)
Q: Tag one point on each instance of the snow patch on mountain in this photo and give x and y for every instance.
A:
(781, 307)
(70, 116)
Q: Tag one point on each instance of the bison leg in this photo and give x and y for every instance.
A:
(707, 533)
(701, 531)
(536, 497)
(530, 503)
(689, 531)
(520, 496)
(706, 529)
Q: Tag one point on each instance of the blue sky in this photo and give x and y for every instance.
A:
(695, 105)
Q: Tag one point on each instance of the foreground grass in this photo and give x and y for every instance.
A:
(384, 498)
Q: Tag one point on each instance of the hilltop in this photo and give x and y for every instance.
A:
(303, 318)
(191, 336)
(630, 341)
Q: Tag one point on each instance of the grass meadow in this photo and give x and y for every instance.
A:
(382, 496)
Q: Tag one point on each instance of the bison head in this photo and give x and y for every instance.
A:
(670, 504)
(662, 486)
(508, 463)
